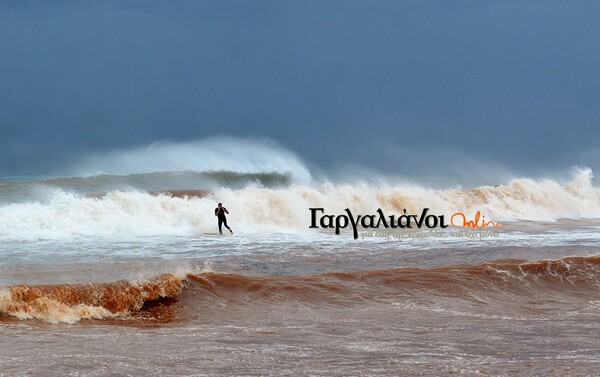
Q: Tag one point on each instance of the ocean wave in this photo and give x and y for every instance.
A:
(153, 182)
(486, 282)
(71, 303)
(242, 156)
(256, 208)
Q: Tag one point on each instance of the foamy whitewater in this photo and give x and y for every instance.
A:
(117, 265)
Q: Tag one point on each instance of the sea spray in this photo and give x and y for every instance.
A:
(255, 209)
(245, 156)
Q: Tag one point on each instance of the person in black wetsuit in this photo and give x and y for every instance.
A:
(220, 212)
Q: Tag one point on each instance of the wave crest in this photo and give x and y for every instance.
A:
(491, 282)
(244, 156)
(70, 303)
(286, 209)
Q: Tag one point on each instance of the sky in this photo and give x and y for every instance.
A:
(394, 86)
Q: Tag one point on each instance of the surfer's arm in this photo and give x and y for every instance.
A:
(226, 211)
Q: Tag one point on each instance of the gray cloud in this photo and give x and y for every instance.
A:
(339, 82)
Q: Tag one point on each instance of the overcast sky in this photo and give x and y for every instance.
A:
(389, 85)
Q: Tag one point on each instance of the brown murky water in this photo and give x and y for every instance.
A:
(300, 314)
(132, 283)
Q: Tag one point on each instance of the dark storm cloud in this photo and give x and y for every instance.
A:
(339, 82)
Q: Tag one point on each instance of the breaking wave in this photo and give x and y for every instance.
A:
(70, 303)
(504, 281)
(243, 156)
(256, 208)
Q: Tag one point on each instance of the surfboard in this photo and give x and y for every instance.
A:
(216, 234)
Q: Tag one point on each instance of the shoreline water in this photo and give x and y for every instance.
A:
(137, 281)
(468, 319)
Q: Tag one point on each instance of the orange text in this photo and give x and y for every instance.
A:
(477, 222)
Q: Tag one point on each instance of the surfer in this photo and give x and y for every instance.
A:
(220, 212)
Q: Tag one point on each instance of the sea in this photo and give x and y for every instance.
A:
(127, 274)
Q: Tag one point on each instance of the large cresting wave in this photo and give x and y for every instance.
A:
(256, 208)
(73, 302)
(243, 156)
(504, 283)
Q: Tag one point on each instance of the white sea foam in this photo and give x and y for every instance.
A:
(259, 209)
(212, 154)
